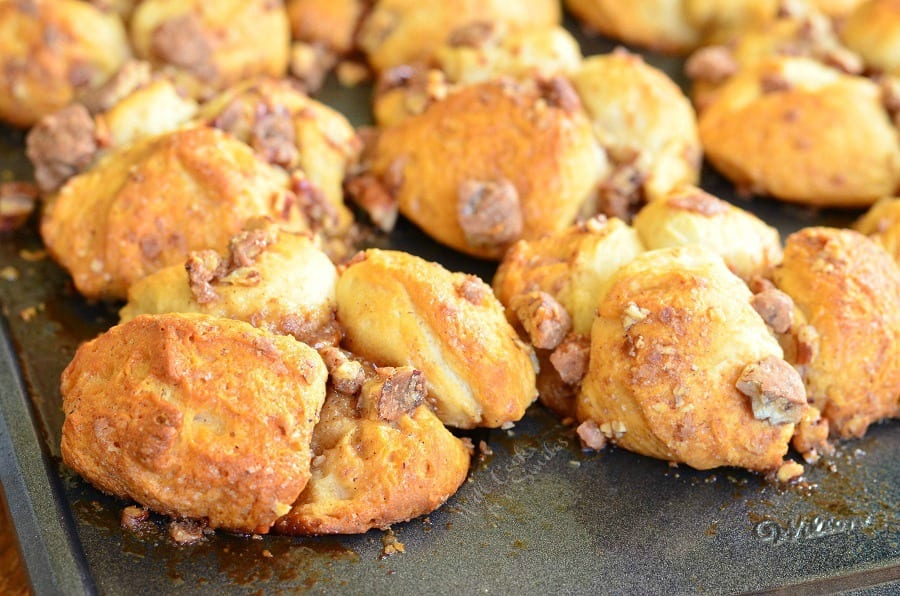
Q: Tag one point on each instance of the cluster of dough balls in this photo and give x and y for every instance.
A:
(267, 376)
(691, 336)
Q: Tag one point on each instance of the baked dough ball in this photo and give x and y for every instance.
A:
(571, 266)
(671, 25)
(146, 206)
(846, 339)
(490, 164)
(297, 133)
(474, 54)
(208, 46)
(882, 224)
(398, 32)
(369, 471)
(791, 127)
(273, 279)
(194, 416)
(873, 31)
(689, 215)
(331, 24)
(682, 368)
(646, 125)
(51, 52)
(399, 310)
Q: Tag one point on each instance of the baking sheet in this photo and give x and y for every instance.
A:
(537, 516)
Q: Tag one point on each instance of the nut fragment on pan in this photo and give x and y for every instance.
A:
(491, 163)
(882, 224)
(788, 127)
(397, 309)
(682, 368)
(398, 32)
(675, 26)
(271, 278)
(146, 206)
(208, 46)
(846, 339)
(369, 471)
(871, 30)
(289, 129)
(194, 416)
(689, 215)
(645, 124)
(53, 51)
(571, 265)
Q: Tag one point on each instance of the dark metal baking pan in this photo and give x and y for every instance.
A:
(537, 516)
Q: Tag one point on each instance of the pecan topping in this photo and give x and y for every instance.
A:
(273, 136)
(61, 145)
(347, 376)
(17, 201)
(184, 42)
(621, 194)
(473, 290)
(776, 390)
(473, 35)
(699, 202)
(543, 317)
(395, 391)
(558, 92)
(776, 308)
(373, 197)
(571, 357)
(489, 213)
(713, 64)
(133, 75)
(591, 436)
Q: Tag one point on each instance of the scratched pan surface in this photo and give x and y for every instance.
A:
(537, 516)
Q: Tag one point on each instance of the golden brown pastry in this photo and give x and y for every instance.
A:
(194, 416)
(330, 24)
(398, 32)
(53, 51)
(689, 215)
(491, 164)
(788, 127)
(882, 224)
(846, 338)
(400, 310)
(374, 466)
(571, 265)
(289, 129)
(271, 278)
(682, 367)
(146, 206)
(645, 124)
(671, 25)
(208, 46)
(872, 30)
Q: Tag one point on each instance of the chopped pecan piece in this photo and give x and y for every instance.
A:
(776, 308)
(591, 436)
(373, 197)
(774, 82)
(319, 212)
(712, 64)
(699, 202)
(473, 290)
(559, 93)
(133, 75)
(347, 376)
(273, 137)
(473, 35)
(203, 268)
(543, 318)
(395, 391)
(621, 194)
(134, 518)
(183, 41)
(811, 436)
(17, 201)
(489, 213)
(775, 389)
(570, 359)
(187, 531)
(61, 145)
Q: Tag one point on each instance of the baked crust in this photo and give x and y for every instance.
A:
(881, 223)
(846, 342)
(872, 30)
(147, 205)
(397, 309)
(52, 51)
(487, 134)
(371, 473)
(194, 416)
(673, 334)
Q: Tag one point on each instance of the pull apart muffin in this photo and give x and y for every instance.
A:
(689, 215)
(147, 205)
(52, 52)
(789, 127)
(399, 310)
(550, 287)
(675, 26)
(492, 163)
(396, 32)
(881, 223)
(274, 279)
(682, 367)
(646, 126)
(195, 417)
(845, 338)
(380, 456)
(207, 46)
